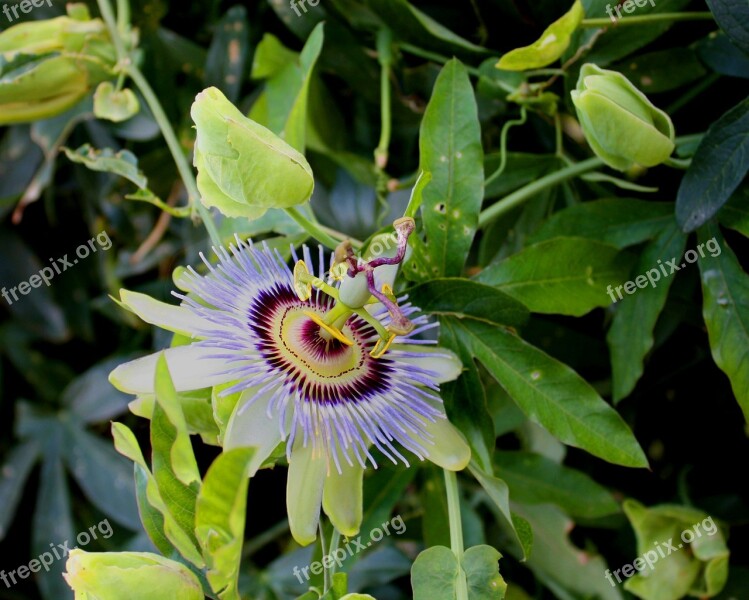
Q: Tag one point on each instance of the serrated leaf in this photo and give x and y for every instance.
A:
(450, 146)
(717, 169)
(630, 336)
(563, 275)
(553, 395)
(725, 288)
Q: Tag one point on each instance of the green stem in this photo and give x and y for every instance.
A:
(313, 229)
(647, 19)
(503, 145)
(335, 541)
(185, 171)
(385, 57)
(127, 65)
(456, 530)
(528, 191)
(123, 16)
(327, 580)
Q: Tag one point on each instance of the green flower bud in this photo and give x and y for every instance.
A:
(48, 66)
(621, 125)
(243, 168)
(117, 575)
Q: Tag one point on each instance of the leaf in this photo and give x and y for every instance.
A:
(535, 479)
(13, 475)
(466, 299)
(553, 395)
(91, 398)
(662, 71)
(718, 167)
(733, 18)
(563, 275)
(620, 222)
(499, 494)
(227, 55)
(434, 574)
(383, 489)
(725, 288)
(220, 519)
(549, 47)
(122, 163)
(735, 213)
(450, 146)
(104, 476)
(482, 573)
(718, 53)
(115, 106)
(52, 523)
(521, 169)
(413, 26)
(630, 337)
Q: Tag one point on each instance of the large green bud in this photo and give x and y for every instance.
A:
(243, 168)
(127, 575)
(621, 125)
(46, 67)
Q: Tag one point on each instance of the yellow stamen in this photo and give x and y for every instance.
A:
(337, 334)
(388, 291)
(382, 346)
(302, 281)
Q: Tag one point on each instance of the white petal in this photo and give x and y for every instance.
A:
(251, 427)
(450, 450)
(445, 365)
(189, 366)
(307, 474)
(343, 497)
(179, 319)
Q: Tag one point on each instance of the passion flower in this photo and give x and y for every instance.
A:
(331, 380)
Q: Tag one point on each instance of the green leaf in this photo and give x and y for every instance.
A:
(735, 213)
(434, 574)
(466, 299)
(450, 147)
(220, 519)
(482, 573)
(549, 47)
(499, 494)
(152, 519)
(13, 474)
(553, 395)
(733, 18)
(662, 71)
(725, 288)
(630, 337)
(115, 106)
(619, 222)
(104, 476)
(91, 398)
(717, 169)
(563, 275)
(271, 57)
(122, 163)
(383, 489)
(535, 479)
(227, 56)
(413, 26)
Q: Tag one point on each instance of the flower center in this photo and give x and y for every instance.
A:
(320, 368)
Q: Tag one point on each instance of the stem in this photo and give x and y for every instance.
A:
(647, 19)
(123, 16)
(528, 191)
(385, 57)
(335, 541)
(503, 145)
(456, 530)
(313, 229)
(327, 579)
(126, 64)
